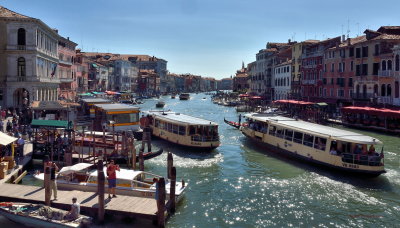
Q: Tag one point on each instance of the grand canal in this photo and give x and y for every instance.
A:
(239, 184)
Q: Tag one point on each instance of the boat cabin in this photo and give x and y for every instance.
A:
(118, 117)
(89, 103)
(315, 140)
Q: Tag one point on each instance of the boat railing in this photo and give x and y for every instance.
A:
(199, 138)
(374, 160)
(142, 183)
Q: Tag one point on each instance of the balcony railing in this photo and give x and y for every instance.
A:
(362, 96)
(21, 47)
(386, 73)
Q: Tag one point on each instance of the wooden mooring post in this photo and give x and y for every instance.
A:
(47, 191)
(160, 197)
(133, 152)
(170, 163)
(172, 190)
(141, 161)
(100, 189)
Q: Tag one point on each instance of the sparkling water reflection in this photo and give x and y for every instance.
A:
(239, 184)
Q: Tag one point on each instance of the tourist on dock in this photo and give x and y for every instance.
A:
(20, 146)
(73, 214)
(53, 168)
(1, 126)
(9, 126)
(112, 178)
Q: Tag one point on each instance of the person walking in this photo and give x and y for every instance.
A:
(112, 178)
(1, 125)
(20, 147)
(53, 168)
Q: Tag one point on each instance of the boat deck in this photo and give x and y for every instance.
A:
(122, 205)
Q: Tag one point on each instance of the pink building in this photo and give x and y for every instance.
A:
(67, 69)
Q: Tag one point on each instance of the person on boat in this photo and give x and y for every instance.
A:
(73, 214)
(333, 151)
(53, 168)
(371, 150)
(112, 178)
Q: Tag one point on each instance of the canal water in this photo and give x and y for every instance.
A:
(240, 184)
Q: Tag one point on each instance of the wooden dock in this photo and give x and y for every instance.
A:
(129, 206)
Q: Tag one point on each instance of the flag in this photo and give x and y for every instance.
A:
(54, 70)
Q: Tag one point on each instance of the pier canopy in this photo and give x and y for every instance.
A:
(372, 111)
(293, 102)
(6, 139)
(50, 124)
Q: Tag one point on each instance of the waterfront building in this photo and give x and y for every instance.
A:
(312, 67)
(28, 60)
(251, 72)
(67, 68)
(148, 82)
(282, 80)
(81, 65)
(297, 51)
(240, 81)
(225, 84)
(396, 74)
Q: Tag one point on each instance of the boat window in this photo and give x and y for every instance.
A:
(157, 122)
(298, 137)
(182, 130)
(308, 140)
(192, 130)
(288, 134)
(279, 132)
(169, 127)
(320, 143)
(175, 129)
(124, 118)
(272, 130)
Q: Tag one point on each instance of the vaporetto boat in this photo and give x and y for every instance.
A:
(331, 147)
(183, 129)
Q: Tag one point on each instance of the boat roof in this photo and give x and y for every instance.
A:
(116, 107)
(74, 168)
(123, 174)
(96, 133)
(95, 100)
(315, 129)
(181, 118)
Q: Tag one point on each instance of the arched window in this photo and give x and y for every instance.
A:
(397, 62)
(383, 90)
(389, 90)
(21, 69)
(396, 89)
(21, 37)
(389, 64)
(383, 65)
(358, 90)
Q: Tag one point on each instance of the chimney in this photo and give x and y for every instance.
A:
(289, 41)
(348, 42)
(343, 38)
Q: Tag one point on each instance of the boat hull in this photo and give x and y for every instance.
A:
(309, 159)
(185, 142)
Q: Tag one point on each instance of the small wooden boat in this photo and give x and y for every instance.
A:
(36, 215)
(160, 104)
(173, 96)
(150, 154)
(232, 123)
(83, 177)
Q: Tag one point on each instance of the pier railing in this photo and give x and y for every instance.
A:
(374, 160)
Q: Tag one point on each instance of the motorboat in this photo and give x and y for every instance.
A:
(37, 215)
(83, 177)
(160, 104)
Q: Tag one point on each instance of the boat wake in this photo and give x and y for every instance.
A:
(189, 160)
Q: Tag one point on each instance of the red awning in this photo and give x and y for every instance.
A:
(372, 111)
(255, 97)
(244, 95)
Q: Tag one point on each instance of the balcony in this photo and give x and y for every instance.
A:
(21, 47)
(385, 73)
(66, 80)
(362, 96)
(308, 82)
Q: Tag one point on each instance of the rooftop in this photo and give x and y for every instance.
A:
(116, 107)
(4, 12)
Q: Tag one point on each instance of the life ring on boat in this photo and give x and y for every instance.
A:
(6, 204)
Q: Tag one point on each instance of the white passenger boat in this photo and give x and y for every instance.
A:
(36, 215)
(184, 130)
(331, 147)
(129, 182)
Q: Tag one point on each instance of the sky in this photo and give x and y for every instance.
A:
(204, 37)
